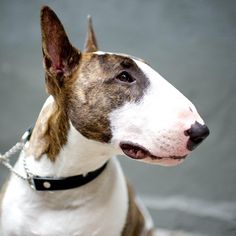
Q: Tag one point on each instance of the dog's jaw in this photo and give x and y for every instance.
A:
(85, 155)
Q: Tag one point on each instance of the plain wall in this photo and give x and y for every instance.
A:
(192, 44)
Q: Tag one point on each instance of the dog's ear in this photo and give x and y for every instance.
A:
(60, 57)
(91, 42)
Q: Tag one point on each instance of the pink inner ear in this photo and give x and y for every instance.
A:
(56, 45)
(54, 54)
(55, 39)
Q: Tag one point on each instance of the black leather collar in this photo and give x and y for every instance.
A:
(60, 183)
(64, 183)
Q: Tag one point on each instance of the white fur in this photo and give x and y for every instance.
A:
(79, 156)
(99, 208)
(158, 121)
(49, 101)
(81, 211)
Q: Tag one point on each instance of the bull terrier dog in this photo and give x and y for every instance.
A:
(100, 104)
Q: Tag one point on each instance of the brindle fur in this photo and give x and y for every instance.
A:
(96, 92)
(85, 91)
(50, 132)
(135, 221)
(84, 88)
(61, 59)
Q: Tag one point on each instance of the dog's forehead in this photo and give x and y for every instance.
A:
(115, 60)
(104, 65)
(119, 55)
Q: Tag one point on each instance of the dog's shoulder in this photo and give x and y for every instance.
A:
(136, 224)
(2, 193)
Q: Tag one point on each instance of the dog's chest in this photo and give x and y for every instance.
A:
(103, 213)
(75, 222)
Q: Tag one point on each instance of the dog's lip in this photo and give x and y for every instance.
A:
(138, 152)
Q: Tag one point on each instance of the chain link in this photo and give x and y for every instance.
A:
(5, 158)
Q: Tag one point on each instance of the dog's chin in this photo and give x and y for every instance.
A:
(139, 153)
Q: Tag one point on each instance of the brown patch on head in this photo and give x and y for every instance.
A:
(86, 88)
(96, 91)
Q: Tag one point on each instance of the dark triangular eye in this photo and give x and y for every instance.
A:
(125, 77)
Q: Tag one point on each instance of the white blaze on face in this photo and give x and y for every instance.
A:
(158, 121)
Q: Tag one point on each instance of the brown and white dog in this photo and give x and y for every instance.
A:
(100, 105)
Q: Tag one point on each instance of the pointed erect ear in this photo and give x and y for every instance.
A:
(91, 42)
(60, 57)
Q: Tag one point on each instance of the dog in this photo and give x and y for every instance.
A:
(100, 104)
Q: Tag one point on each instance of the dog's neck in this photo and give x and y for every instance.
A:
(78, 156)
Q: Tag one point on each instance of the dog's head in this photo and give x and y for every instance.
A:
(118, 99)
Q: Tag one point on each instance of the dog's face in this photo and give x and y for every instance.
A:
(119, 99)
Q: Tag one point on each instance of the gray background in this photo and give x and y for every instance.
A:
(192, 43)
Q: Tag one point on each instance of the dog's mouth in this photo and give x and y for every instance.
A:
(136, 151)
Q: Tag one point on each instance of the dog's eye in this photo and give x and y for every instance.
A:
(125, 77)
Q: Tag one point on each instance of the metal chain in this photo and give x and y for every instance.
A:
(5, 158)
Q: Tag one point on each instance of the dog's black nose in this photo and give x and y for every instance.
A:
(197, 133)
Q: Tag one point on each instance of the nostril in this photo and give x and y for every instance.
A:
(197, 133)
